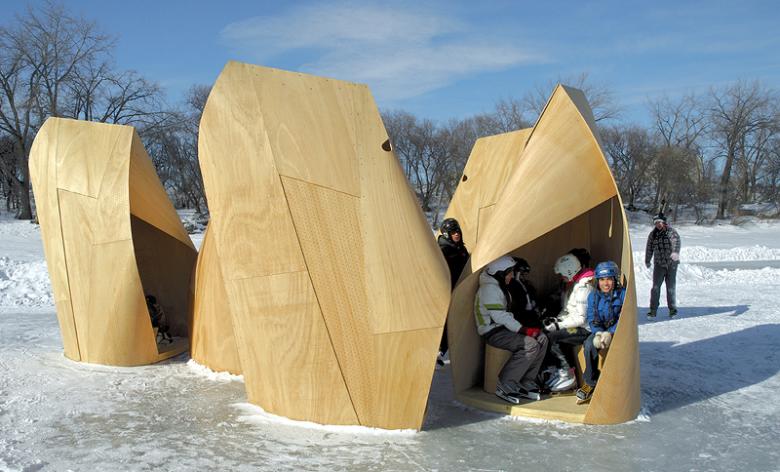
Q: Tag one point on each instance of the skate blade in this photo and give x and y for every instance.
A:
(508, 398)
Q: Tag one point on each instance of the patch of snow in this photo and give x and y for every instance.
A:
(203, 371)
(254, 414)
(24, 284)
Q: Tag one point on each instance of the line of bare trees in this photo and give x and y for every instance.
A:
(710, 153)
(55, 64)
(716, 150)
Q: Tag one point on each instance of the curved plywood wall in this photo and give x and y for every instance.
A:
(213, 341)
(489, 166)
(337, 291)
(559, 195)
(110, 236)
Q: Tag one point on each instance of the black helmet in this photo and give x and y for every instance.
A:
(582, 255)
(521, 265)
(449, 226)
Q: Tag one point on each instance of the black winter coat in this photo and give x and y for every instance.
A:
(456, 256)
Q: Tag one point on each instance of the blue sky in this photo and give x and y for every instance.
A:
(448, 59)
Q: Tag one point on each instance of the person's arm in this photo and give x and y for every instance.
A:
(592, 313)
(676, 243)
(649, 250)
(490, 305)
(618, 312)
(577, 307)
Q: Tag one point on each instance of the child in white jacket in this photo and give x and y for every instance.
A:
(571, 325)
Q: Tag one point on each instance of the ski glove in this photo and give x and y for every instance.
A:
(647, 264)
(602, 339)
(551, 324)
(532, 332)
(675, 256)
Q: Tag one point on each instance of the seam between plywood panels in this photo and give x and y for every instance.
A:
(67, 272)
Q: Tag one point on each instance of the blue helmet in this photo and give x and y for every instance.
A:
(607, 269)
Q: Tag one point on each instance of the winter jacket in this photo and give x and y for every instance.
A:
(456, 256)
(491, 307)
(523, 304)
(604, 309)
(662, 243)
(575, 301)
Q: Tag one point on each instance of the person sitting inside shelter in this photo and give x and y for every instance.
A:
(570, 326)
(499, 328)
(523, 293)
(604, 307)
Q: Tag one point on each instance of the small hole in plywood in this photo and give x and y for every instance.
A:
(386, 146)
(464, 178)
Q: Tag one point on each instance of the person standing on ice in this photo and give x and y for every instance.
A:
(570, 327)
(663, 248)
(604, 307)
(455, 253)
(499, 328)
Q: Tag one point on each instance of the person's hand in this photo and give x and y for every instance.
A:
(597, 340)
(675, 256)
(606, 339)
(647, 264)
(550, 324)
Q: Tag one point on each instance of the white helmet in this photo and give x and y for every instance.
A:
(567, 266)
(499, 265)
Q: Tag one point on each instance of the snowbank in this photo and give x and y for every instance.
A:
(694, 254)
(24, 283)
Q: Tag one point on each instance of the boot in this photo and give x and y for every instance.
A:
(566, 381)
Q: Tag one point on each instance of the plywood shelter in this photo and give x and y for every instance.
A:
(337, 291)
(111, 236)
(213, 341)
(558, 195)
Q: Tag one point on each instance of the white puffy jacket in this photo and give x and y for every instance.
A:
(575, 302)
(491, 307)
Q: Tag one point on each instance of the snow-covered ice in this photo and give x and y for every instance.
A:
(710, 389)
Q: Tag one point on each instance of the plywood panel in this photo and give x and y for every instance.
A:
(309, 121)
(253, 228)
(118, 330)
(148, 199)
(78, 170)
(213, 341)
(405, 274)
(288, 361)
(489, 166)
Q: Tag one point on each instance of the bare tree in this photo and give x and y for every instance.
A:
(632, 152)
(600, 96)
(737, 112)
(53, 63)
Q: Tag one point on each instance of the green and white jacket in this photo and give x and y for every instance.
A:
(491, 308)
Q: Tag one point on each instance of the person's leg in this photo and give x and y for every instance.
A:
(655, 292)
(556, 353)
(575, 337)
(671, 288)
(443, 345)
(517, 365)
(591, 374)
(536, 354)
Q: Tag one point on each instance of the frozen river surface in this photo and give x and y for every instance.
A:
(710, 391)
